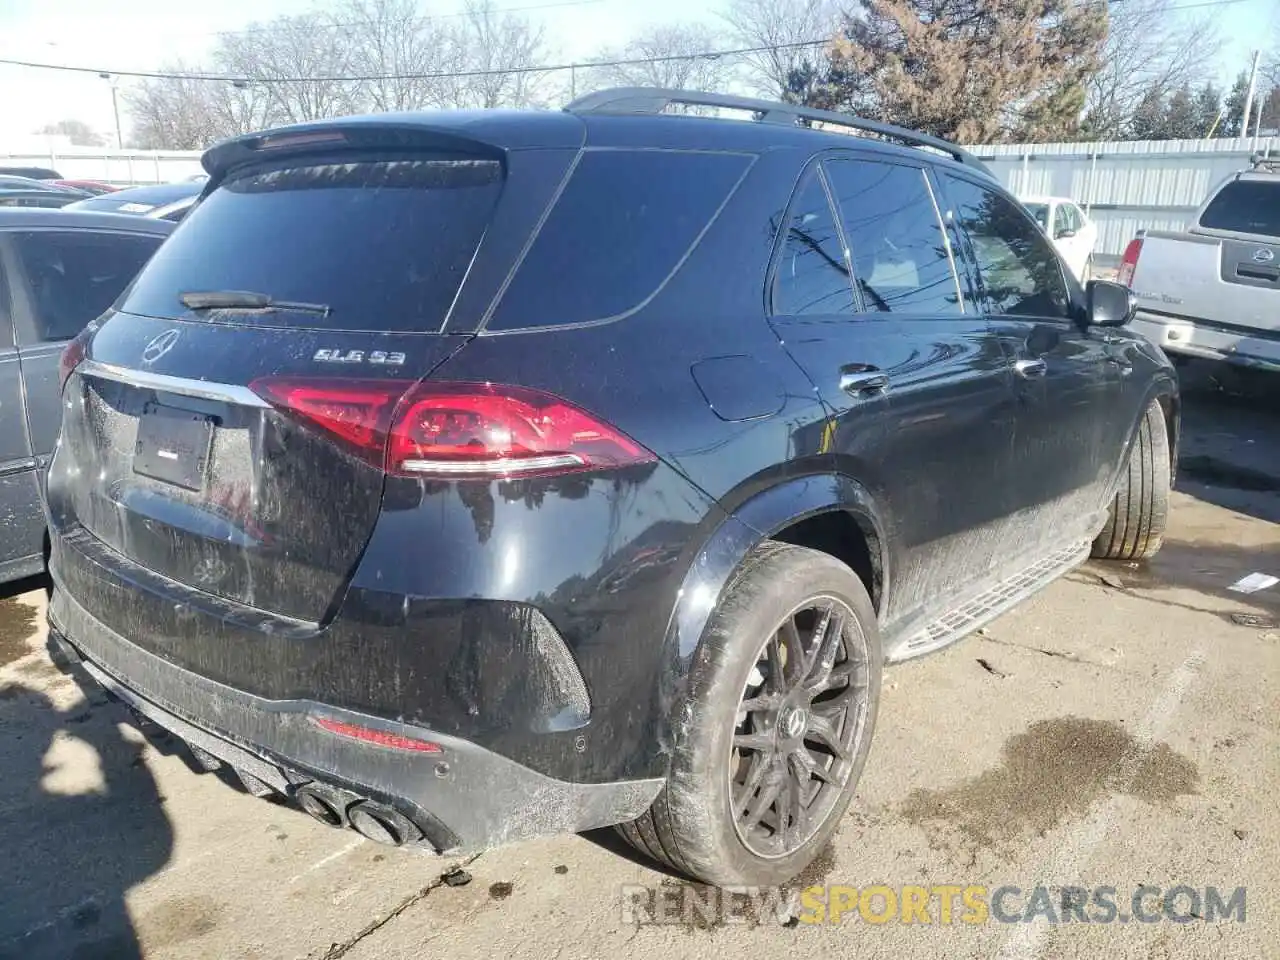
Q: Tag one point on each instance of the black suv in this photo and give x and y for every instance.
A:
(473, 476)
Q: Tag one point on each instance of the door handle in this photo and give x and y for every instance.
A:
(1030, 369)
(861, 383)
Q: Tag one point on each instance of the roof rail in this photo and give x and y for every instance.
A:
(653, 100)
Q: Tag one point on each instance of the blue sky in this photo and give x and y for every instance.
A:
(143, 34)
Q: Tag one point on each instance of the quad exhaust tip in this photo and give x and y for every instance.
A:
(382, 824)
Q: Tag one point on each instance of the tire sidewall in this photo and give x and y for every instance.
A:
(779, 580)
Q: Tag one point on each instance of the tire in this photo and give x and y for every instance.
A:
(1140, 512)
(691, 826)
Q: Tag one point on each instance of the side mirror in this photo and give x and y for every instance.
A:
(1066, 234)
(1110, 304)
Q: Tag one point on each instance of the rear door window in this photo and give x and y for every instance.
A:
(812, 276)
(1020, 273)
(74, 276)
(1245, 206)
(625, 222)
(384, 244)
(901, 263)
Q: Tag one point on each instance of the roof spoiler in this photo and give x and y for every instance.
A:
(354, 133)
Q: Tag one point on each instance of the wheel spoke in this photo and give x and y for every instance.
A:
(838, 676)
(827, 644)
(785, 805)
(795, 653)
(823, 730)
(776, 682)
(760, 764)
(796, 798)
(834, 707)
(763, 702)
(817, 641)
(804, 760)
(753, 741)
(759, 805)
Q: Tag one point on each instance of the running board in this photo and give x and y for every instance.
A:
(964, 619)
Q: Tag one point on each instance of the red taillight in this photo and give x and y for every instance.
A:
(1129, 262)
(377, 737)
(455, 430)
(72, 354)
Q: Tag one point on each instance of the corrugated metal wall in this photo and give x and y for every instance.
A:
(1130, 186)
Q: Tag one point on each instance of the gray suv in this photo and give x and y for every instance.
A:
(59, 270)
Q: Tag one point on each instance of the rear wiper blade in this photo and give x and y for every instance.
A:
(247, 300)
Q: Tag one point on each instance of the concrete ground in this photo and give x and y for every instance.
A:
(1118, 730)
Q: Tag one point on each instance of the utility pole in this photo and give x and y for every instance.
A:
(1248, 97)
(115, 107)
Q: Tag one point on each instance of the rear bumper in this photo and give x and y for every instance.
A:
(460, 799)
(1210, 341)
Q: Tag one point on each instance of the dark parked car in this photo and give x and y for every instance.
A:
(33, 173)
(472, 476)
(58, 271)
(150, 201)
(93, 187)
(25, 192)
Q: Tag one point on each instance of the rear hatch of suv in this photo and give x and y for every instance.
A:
(226, 427)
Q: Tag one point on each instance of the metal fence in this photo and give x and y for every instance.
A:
(123, 168)
(1126, 187)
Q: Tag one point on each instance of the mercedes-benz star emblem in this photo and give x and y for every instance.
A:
(1263, 255)
(161, 345)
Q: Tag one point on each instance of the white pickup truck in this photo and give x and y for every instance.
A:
(1214, 291)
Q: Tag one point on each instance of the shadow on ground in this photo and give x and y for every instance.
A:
(1230, 445)
(81, 822)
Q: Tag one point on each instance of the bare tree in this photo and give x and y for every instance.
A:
(675, 56)
(392, 41)
(297, 61)
(1151, 50)
(176, 113)
(500, 50)
(788, 29)
(77, 131)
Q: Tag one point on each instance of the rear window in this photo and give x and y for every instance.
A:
(1245, 206)
(623, 224)
(75, 276)
(384, 244)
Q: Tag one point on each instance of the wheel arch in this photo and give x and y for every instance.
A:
(796, 511)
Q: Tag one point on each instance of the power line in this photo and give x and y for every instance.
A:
(448, 75)
(466, 74)
(339, 24)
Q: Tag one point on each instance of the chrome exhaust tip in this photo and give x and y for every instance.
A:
(382, 824)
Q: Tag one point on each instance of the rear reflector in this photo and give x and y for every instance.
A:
(454, 430)
(377, 737)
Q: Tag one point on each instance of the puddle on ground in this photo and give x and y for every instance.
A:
(17, 624)
(1199, 565)
(1054, 770)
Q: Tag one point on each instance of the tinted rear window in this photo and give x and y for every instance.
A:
(623, 224)
(385, 244)
(75, 276)
(1245, 206)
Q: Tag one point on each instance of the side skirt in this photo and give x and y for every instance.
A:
(972, 613)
